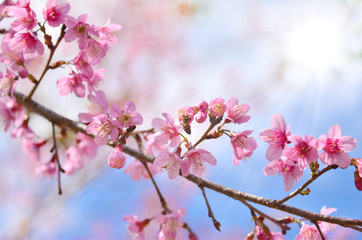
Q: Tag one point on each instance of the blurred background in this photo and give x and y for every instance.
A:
(301, 59)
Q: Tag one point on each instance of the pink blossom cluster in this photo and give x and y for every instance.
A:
(291, 161)
(170, 224)
(194, 159)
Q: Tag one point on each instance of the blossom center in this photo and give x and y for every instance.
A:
(333, 146)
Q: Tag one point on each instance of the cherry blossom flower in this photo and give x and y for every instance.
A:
(152, 147)
(94, 51)
(55, 13)
(126, 116)
(217, 107)
(169, 131)
(83, 66)
(11, 112)
(276, 137)
(236, 113)
(262, 235)
(7, 83)
(107, 33)
(335, 147)
(137, 170)
(186, 111)
(243, 146)
(136, 227)
(304, 151)
(170, 224)
(26, 20)
(103, 127)
(72, 83)
(26, 43)
(96, 78)
(287, 169)
(170, 161)
(97, 105)
(201, 115)
(194, 161)
(47, 169)
(79, 29)
(359, 165)
(117, 159)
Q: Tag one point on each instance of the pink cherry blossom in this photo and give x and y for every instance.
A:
(335, 147)
(168, 129)
(262, 235)
(136, 227)
(97, 77)
(236, 113)
(137, 170)
(126, 116)
(170, 224)
(243, 146)
(86, 145)
(83, 66)
(6, 116)
(26, 20)
(170, 161)
(217, 107)
(79, 29)
(26, 43)
(202, 113)
(7, 83)
(186, 111)
(72, 83)
(359, 165)
(287, 169)
(304, 151)
(11, 112)
(194, 161)
(94, 51)
(276, 137)
(55, 13)
(47, 169)
(117, 159)
(97, 105)
(107, 33)
(152, 147)
(103, 127)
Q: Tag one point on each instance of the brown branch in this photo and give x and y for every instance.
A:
(319, 230)
(310, 180)
(213, 123)
(59, 168)
(211, 214)
(237, 195)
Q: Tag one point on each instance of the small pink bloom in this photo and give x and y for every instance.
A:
(86, 145)
(186, 111)
(107, 34)
(103, 127)
(97, 105)
(170, 224)
(79, 29)
(137, 170)
(73, 161)
(194, 161)
(11, 112)
(26, 20)
(55, 13)
(94, 51)
(152, 147)
(262, 235)
(359, 165)
(72, 83)
(170, 162)
(276, 137)
(117, 159)
(126, 116)
(335, 147)
(202, 113)
(83, 66)
(96, 78)
(217, 107)
(168, 129)
(243, 146)
(26, 43)
(287, 169)
(47, 169)
(7, 83)
(136, 227)
(304, 151)
(236, 113)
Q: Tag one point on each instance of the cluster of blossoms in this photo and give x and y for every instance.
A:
(170, 223)
(291, 161)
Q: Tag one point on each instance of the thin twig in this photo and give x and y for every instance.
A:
(211, 214)
(319, 230)
(59, 168)
(310, 180)
(213, 123)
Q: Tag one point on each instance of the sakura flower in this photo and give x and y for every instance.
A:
(358, 162)
(263, 235)
(126, 116)
(185, 117)
(7, 83)
(304, 152)
(287, 169)
(202, 113)
(73, 161)
(170, 161)
(26, 43)
(6, 116)
(276, 137)
(243, 146)
(56, 13)
(79, 29)
(152, 147)
(170, 224)
(136, 227)
(169, 131)
(103, 127)
(86, 145)
(117, 159)
(107, 33)
(236, 113)
(194, 161)
(97, 105)
(72, 83)
(97, 77)
(11, 112)
(47, 169)
(335, 147)
(217, 107)
(94, 51)
(82, 65)
(137, 170)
